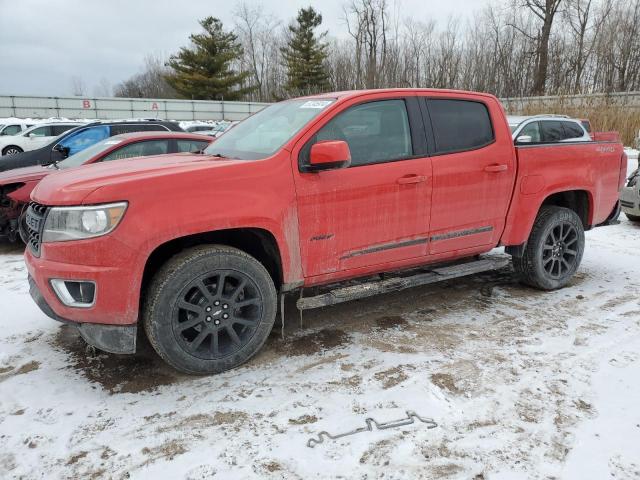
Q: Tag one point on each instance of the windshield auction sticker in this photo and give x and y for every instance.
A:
(315, 104)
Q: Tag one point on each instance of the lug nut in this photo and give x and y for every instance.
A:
(216, 303)
(225, 306)
(217, 322)
(225, 316)
(208, 319)
(208, 309)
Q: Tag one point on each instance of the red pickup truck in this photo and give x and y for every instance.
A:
(308, 192)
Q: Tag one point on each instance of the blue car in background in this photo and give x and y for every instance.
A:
(79, 138)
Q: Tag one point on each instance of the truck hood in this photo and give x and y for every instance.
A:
(24, 175)
(71, 187)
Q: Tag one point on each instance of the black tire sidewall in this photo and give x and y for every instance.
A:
(11, 147)
(553, 218)
(159, 317)
(632, 218)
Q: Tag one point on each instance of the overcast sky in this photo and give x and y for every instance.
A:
(44, 43)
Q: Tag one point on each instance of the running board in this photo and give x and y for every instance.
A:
(395, 284)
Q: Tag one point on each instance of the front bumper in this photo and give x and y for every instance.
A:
(110, 338)
(630, 200)
(117, 278)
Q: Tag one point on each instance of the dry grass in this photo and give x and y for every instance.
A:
(603, 115)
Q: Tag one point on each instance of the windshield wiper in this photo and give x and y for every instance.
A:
(219, 155)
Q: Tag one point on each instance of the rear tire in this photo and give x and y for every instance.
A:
(12, 150)
(209, 309)
(554, 249)
(632, 218)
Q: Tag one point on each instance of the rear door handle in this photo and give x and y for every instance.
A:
(408, 179)
(496, 168)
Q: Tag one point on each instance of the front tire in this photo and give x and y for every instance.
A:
(12, 150)
(632, 218)
(209, 309)
(554, 249)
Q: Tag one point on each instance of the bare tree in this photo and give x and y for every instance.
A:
(150, 83)
(509, 48)
(368, 23)
(103, 88)
(78, 87)
(546, 11)
(258, 33)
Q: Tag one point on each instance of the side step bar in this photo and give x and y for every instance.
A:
(395, 284)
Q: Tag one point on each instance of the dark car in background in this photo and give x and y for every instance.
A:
(16, 185)
(77, 139)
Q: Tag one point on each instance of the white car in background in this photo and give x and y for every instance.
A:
(546, 129)
(630, 197)
(13, 128)
(34, 137)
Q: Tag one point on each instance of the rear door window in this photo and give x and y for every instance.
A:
(139, 149)
(572, 130)
(460, 125)
(552, 131)
(60, 129)
(40, 132)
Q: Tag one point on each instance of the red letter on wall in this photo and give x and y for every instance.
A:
(86, 104)
(154, 106)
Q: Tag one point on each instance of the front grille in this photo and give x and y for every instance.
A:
(34, 224)
(627, 204)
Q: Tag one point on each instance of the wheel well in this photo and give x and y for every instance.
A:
(257, 242)
(10, 146)
(576, 200)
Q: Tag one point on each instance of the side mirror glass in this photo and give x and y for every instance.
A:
(329, 155)
(524, 139)
(62, 150)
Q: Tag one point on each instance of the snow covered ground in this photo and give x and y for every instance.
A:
(522, 384)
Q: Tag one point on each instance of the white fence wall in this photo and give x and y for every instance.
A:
(626, 99)
(115, 108)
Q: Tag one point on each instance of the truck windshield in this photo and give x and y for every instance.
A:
(262, 134)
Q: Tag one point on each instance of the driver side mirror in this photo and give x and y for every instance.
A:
(329, 155)
(61, 149)
(524, 139)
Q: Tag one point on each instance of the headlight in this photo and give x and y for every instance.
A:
(75, 223)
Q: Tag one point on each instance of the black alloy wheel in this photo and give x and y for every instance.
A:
(559, 252)
(217, 314)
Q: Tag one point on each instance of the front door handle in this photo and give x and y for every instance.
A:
(408, 179)
(496, 168)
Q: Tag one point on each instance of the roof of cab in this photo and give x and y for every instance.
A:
(358, 93)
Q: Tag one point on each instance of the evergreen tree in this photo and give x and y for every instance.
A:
(305, 54)
(204, 71)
